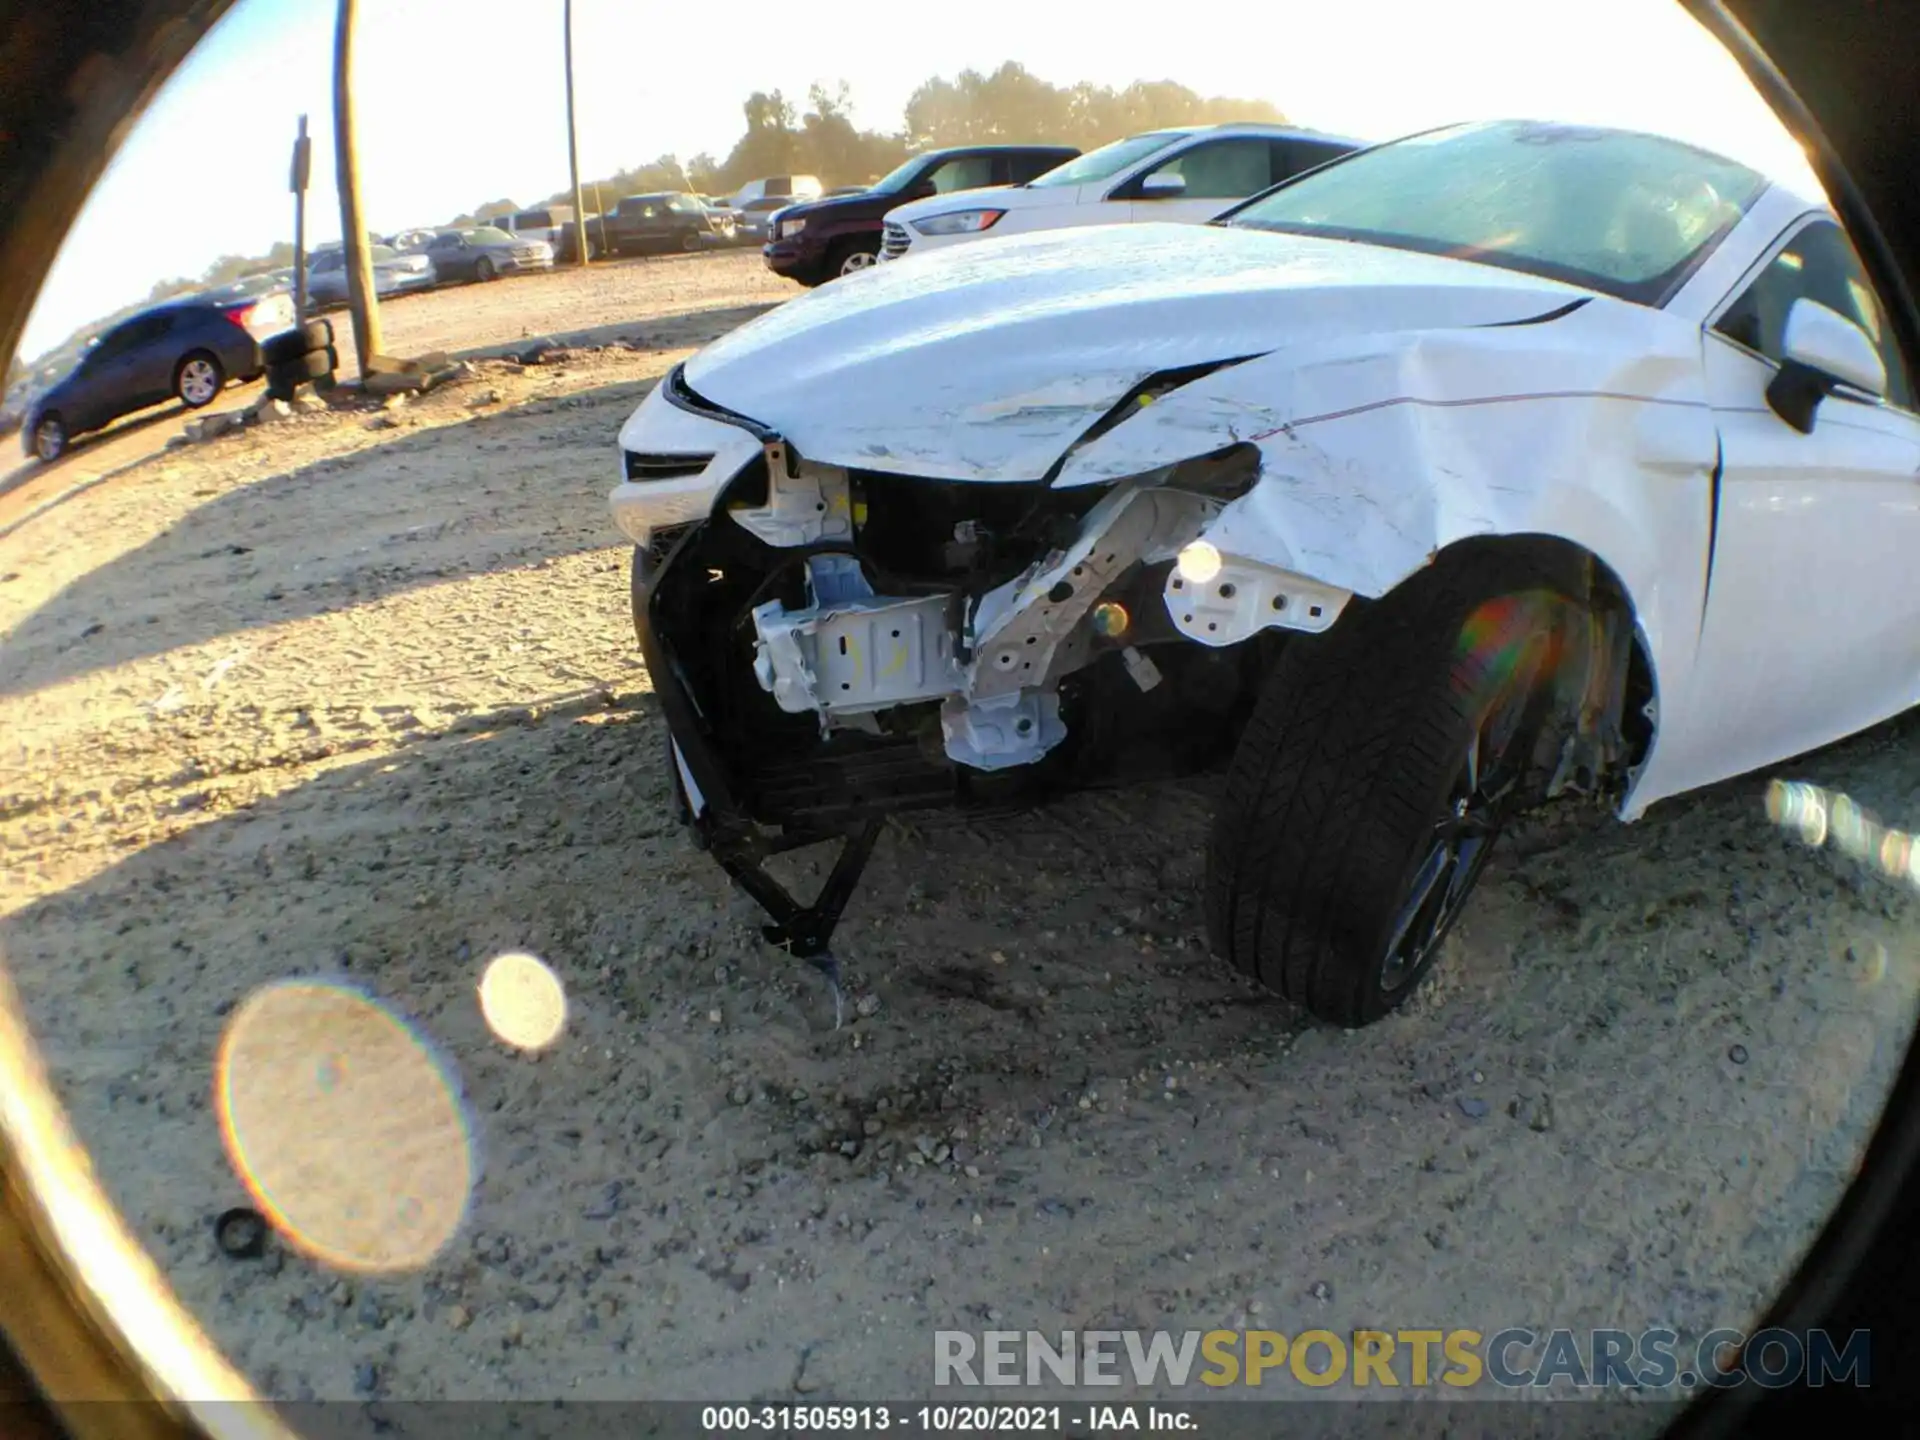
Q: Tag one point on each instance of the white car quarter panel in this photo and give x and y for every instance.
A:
(1379, 451)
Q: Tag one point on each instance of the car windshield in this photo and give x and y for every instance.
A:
(489, 235)
(1107, 160)
(384, 252)
(1627, 214)
(896, 179)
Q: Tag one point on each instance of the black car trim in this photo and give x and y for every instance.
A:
(1559, 312)
(683, 396)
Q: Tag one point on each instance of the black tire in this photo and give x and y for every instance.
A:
(689, 241)
(316, 366)
(292, 344)
(483, 270)
(311, 366)
(849, 257)
(198, 379)
(50, 438)
(1346, 786)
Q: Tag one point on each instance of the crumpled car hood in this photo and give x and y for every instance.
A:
(986, 361)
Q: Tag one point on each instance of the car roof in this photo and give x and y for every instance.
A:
(997, 149)
(1259, 127)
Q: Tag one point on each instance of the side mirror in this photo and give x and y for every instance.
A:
(1163, 186)
(1823, 349)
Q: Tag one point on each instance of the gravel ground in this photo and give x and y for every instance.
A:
(354, 700)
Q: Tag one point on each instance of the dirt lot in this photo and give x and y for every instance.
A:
(354, 698)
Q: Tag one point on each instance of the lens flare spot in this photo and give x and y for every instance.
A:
(343, 1126)
(1199, 562)
(1514, 644)
(1110, 619)
(523, 1001)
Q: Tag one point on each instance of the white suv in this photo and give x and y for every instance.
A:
(1189, 175)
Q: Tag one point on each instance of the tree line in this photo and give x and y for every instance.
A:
(1009, 105)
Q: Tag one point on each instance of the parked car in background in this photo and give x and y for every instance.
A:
(755, 225)
(856, 189)
(778, 187)
(251, 287)
(817, 240)
(188, 349)
(393, 274)
(485, 252)
(1188, 174)
(663, 220)
(410, 241)
(552, 224)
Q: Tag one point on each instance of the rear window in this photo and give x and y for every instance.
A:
(532, 218)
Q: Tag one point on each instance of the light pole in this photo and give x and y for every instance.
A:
(302, 165)
(573, 153)
(361, 294)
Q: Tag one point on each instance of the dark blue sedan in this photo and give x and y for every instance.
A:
(187, 349)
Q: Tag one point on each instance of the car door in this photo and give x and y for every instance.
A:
(1811, 628)
(449, 256)
(156, 351)
(112, 384)
(1201, 180)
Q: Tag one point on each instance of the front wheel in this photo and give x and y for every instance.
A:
(854, 258)
(690, 241)
(1375, 775)
(198, 379)
(483, 270)
(50, 438)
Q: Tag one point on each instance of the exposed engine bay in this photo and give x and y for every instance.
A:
(850, 643)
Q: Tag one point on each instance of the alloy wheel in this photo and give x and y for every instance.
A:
(199, 381)
(1462, 839)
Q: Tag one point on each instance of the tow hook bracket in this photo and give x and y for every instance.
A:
(780, 459)
(806, 931)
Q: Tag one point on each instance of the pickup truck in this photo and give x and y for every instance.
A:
(665, 220)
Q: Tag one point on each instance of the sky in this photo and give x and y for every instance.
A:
(462, 103)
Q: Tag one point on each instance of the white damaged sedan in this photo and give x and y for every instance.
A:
(1500, 462)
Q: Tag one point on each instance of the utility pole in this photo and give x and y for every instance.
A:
(361, 294)
(302, 166)
(573, 154)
